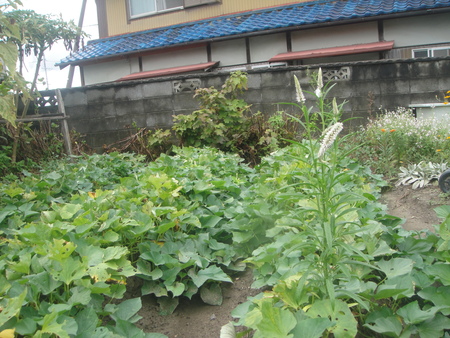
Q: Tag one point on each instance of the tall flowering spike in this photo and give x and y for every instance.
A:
(298, 89)
(335, 107)
(318, 91)
(319, 79)
(330, 137)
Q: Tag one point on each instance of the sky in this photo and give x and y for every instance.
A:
(69, 10)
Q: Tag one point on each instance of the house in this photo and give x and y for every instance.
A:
(154, 38)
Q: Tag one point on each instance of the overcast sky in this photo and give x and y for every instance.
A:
(70, 10)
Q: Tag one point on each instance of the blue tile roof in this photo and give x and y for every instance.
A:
(305, 13)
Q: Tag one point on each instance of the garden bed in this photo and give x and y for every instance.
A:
(194, 319)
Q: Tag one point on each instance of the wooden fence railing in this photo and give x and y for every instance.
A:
(49, 107)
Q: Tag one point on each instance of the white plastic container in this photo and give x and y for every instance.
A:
(439, 111)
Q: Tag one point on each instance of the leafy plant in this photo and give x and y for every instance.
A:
(72, 236)
(335, 261)
(224, 121)
(420, 175)
(12, 81)
(221, 116)
(33, 33)
(396, 138)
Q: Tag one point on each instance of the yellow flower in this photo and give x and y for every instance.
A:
(383, 130)
(448, 137)
(438, 150)
(392, 130)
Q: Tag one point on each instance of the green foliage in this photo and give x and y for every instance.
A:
(151, 143)
(36, 145)
(336, 263)
(38, 33)
(12, 82)
(220, 119)
(397, 138)
(25, 32)
(72, 235)
(306, 219)
(420, 175)
(224, 121)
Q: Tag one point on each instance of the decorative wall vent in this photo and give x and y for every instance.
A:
(188, 85)
(47, 102)
(338, 74)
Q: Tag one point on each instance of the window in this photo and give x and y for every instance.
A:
(145, 7)
(431, 52)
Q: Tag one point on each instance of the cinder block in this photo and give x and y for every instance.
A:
(100, 95)
(276, 79)
(129, 108)
(131, 93)
(156, 89)
(74, 98)
(158, 104)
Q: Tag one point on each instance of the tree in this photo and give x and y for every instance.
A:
(11, 80)
(38, 33)
(35, 34)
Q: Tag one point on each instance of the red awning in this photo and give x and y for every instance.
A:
(168, 71)
(333, 51)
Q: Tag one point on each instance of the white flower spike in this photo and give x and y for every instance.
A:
(330, 137)
(298, 89)
(335, 107)
(319, 79)
(318, 91)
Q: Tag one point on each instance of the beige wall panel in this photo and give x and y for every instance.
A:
(107, 71)
(418, 30)
(175, 59)
(117, 19)
(229, 53)
(334, 36)
(262, 48)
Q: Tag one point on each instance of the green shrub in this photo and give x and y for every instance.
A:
(396, 138)
(220, 119)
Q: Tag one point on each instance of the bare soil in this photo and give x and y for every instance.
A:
(415, 206)
(194, 319)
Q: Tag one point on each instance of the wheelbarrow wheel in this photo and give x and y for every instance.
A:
(444, 181)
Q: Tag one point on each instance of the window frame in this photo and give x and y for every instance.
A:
(145, 14)
(430, 51)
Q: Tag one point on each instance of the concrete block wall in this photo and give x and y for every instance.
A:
(104, 113)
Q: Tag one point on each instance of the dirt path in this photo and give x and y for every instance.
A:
(194, 319)
(415, 206)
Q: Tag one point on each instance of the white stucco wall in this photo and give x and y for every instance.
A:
(334, 36)
(108, 71)
(342, 58)
(418, 30)
(179, 58)
(262, 48)
(231, 52)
